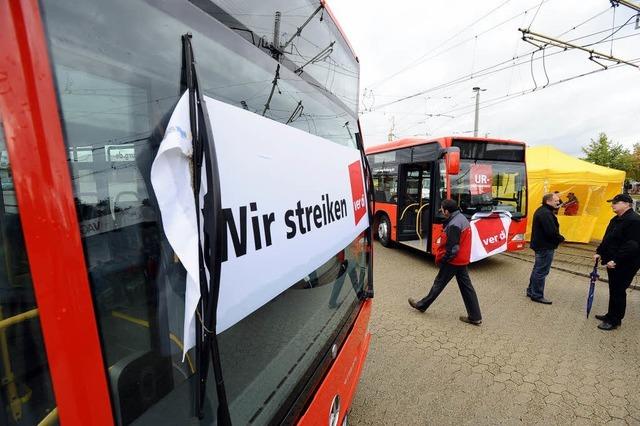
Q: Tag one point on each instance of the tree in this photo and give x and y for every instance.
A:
(606, 152)
(634, 170)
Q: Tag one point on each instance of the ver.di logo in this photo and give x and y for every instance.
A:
(492, 233)
(357, 191)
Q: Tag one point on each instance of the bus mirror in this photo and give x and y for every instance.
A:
(452, 159)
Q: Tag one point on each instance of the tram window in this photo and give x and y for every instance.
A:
(26, 392)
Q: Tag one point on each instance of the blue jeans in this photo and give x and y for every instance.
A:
(540, 271)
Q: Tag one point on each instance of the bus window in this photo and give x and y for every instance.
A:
(384, 167)
(484, 186)
(27, 395)
(385, 187)
(118, 79)
(442, 186)
(426, 189)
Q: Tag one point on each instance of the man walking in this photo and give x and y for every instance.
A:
(620, 252)
(452, 255)
(545, 238)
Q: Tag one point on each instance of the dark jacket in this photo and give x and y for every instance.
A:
(621, 241)
(454, 246)
(545, 231)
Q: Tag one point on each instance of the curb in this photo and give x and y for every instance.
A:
(580, 274)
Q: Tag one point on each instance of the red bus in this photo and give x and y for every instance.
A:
(486, 177)
(93, 294)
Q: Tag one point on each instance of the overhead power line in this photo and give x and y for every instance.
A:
(424, 56)
(493, 69)
(470, 108)
(534, 38)
(627, 3)
(585, 22)
(536, 15)
(615, 30)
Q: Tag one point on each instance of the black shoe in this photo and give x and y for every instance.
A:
(541, 300)
(414, 304)
(470, 321)
(602, 317)
(607, 326)
(529, 295)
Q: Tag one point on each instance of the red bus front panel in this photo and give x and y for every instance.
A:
(43, 190)
(344, 375)
(118, 81)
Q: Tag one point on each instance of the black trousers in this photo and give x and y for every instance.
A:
(446, 273)
(619, 281)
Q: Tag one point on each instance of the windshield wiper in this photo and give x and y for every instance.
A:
(209, 257)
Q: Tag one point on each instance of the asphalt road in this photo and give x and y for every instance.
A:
(527, 364)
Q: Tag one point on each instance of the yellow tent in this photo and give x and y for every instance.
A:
(550, 170)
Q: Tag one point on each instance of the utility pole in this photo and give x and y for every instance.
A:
(475, 125)
(391, 136)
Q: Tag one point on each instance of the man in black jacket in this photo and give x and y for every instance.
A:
(620, 252)
(545, 237)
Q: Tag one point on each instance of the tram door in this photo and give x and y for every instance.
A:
(414, 204)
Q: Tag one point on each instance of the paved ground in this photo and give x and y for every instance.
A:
(527, 364)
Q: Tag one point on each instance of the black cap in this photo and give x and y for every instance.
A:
(621, 197)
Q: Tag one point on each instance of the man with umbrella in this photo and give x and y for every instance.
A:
(620, 252)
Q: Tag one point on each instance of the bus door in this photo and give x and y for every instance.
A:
(414, 206)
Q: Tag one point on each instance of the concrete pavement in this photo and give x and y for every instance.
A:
(527, 364)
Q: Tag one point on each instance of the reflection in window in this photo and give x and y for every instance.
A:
(483, 186)
(25, 389)
(307, 38)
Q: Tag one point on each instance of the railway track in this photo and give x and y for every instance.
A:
(571, 258)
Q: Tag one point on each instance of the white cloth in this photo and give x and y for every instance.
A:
(489, 233)
(171, 178)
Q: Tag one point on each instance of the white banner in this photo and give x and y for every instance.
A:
(171, 179)
(290, 201)
(489, 233)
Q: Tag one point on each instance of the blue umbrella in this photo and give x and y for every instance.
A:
(592, 286)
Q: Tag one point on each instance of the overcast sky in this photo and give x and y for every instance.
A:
(410, 46)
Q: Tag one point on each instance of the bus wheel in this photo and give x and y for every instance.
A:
(384, 231)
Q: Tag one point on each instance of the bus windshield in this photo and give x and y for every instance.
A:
(118, 81)
(485, 186)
